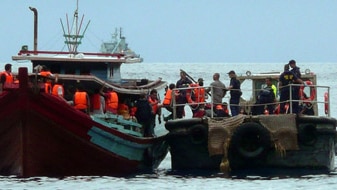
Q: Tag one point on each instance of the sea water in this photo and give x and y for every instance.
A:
(163, 178)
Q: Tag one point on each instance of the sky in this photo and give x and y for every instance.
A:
(184, 31)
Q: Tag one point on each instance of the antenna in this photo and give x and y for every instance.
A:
(73, 38)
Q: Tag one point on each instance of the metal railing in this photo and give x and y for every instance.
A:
(325, 102)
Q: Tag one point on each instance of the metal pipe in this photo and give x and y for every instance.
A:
(35, 27)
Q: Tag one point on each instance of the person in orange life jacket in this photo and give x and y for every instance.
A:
(6, 76)
(167, 102)
(221, 110)
(123, 109)
(81, 100)
(47, 81)
(200, 94)
(156, 107)
(58, 90)
(199, 97)
(97, 102)
(45, 72)
(111, 100)
(144, 114)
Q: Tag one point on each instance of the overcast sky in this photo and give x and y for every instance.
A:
(184, 30)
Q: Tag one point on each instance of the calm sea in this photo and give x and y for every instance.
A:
(163, 178)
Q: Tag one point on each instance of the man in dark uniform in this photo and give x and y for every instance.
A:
(235, 93)
(286, 78)
(183, 82)
(296, 89)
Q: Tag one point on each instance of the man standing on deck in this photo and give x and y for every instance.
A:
(235, 93)
(183, 82)
(144, 114)
(218, 90)
(286, 78)
(296, 89)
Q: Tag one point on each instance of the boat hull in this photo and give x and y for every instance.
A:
(190, 142)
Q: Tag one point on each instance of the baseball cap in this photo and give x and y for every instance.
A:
(231, 72)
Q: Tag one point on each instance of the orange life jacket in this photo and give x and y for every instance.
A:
(55, 90)
(199, 93)
(123, 109)
(154, 104)
(47, 87)
(45, 73)
(189, 96)
(9, 77)
(96, 101)
(221, 107)
(168, 97)
(80, 100)
(111, 104)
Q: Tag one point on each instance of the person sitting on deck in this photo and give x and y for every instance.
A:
(47, 79)
(58, 90)
(221, 110)
(81, 100)
(266, 97)
(111, 100)
(97, 102)
(123, 109)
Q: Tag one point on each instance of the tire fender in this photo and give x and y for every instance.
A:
(250, 141)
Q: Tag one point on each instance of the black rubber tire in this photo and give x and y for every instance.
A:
(307, 134)
(198, 133)
(250, 141)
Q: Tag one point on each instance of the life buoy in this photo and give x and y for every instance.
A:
(312, 92)
(250, 141)
(326, 103)
(307, 134)
(198, 133)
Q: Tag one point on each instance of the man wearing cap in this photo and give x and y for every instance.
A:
(6, 76)
(294, 68)
(235, 93)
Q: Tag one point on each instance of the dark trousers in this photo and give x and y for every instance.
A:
(234, 105)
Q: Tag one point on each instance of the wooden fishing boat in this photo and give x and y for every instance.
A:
(42, 135)
(258, 144)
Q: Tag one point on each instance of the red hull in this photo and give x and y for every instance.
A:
(40, 135)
